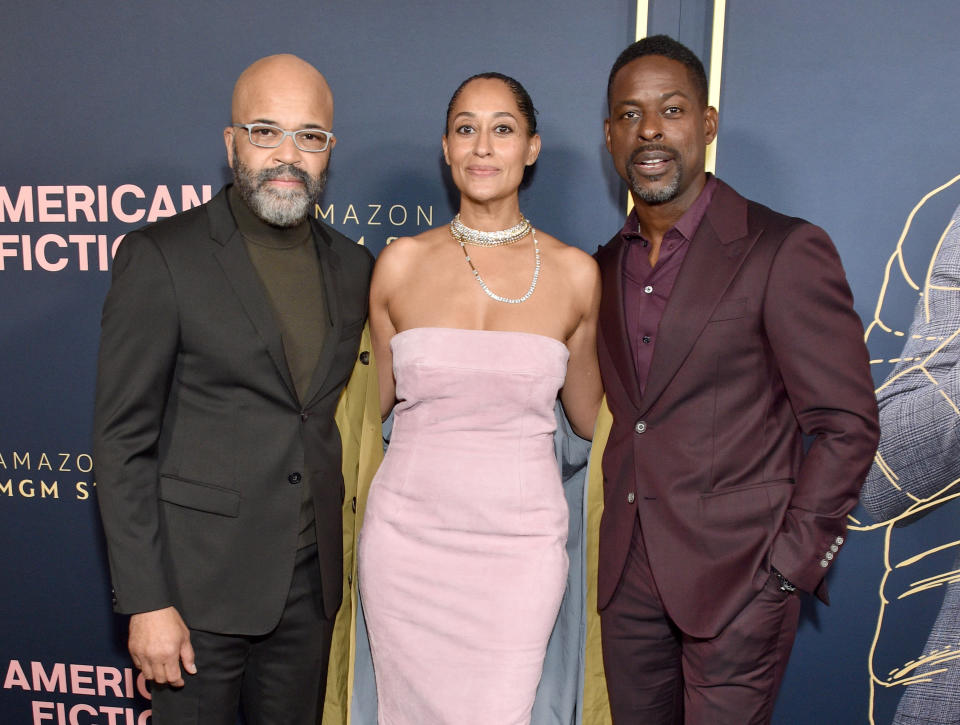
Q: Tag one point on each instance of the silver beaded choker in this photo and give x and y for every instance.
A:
(465, 235)
(483, 285)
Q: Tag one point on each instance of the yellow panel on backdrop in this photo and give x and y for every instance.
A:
(643, 9)
(716, 67)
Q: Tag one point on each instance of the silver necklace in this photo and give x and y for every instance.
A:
(483, 285)
(466, 235)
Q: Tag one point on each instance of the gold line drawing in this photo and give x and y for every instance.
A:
(899, 491)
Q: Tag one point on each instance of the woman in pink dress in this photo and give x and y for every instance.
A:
(477, 327)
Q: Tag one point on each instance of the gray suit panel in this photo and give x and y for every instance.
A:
(920, 432)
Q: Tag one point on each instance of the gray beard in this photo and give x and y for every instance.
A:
(655, 196)
(282, 208)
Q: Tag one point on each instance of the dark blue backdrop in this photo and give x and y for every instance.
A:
(833, 111)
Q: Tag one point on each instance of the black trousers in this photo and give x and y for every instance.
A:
(277, 679)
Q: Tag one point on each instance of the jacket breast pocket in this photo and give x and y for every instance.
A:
(200, 496)
(729, 310)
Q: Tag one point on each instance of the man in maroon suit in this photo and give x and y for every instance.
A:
(727, 334)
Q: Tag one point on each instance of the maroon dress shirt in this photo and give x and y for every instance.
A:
(646, 289)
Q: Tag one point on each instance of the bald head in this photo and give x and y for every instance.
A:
(283, 86)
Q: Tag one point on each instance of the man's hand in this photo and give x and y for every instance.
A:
(159, 641)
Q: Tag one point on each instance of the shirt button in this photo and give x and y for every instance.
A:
(648, 289)
(295, 477)
(640, 427)
(631, 497)
(646, 338)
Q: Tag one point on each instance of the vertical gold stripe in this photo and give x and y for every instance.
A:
(716, 67)
(643, 11)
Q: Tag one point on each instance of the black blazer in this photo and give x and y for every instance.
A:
(200, 443)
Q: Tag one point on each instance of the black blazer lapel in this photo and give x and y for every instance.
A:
(239, 270)
(613, 322)
(716, 253)
(330, 270)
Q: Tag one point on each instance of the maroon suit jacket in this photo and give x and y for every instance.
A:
(759, 345)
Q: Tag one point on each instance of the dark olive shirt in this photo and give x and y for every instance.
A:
(286, 261)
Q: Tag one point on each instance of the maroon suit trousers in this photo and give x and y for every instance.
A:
(657, 675)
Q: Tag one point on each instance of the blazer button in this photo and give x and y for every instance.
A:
(631, 497)
(839, 541)
(365, 357)
(304, 415)
(640, 427)
(295, 477)
(824, 563)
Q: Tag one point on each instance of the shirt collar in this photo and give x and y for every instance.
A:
(687, 224)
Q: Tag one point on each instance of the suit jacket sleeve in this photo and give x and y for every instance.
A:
(817, 342)
(138, 354)
(920, 428)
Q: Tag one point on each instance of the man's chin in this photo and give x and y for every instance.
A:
(277, 195)
(282, 212)
(655, 195)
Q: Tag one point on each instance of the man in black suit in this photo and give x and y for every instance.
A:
(228, 335)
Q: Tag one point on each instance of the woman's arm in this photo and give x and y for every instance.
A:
(582, 390)
(385, 281)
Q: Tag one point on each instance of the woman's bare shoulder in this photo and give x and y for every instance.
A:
(577, 265)
(406, 252)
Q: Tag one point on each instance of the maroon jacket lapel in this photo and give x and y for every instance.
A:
(613, 339)
(716, 253)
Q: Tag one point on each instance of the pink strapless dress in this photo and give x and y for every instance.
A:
(462, 552)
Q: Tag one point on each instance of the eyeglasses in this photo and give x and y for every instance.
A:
(312, 140)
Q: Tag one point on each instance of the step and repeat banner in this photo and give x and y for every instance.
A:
(112, 117)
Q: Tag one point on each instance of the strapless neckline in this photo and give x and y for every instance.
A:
(421, 329)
